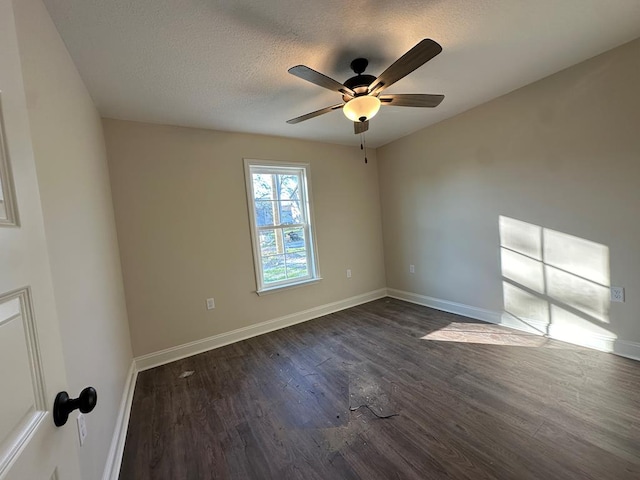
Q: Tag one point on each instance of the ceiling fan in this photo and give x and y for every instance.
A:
(361, 94)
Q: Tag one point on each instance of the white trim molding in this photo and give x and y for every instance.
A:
(627, 349)
(445, 305)
(114, 458)
(609, 344)
(172, 354)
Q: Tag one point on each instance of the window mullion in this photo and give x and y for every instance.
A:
(284, 225)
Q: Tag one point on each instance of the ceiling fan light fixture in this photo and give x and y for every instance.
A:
(361, 109)
(360, 93)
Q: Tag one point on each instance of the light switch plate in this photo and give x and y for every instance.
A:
(210, 304)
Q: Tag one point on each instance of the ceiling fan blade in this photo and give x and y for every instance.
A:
(413, 59)
(411, 100)
(318, 78)
(360, 127)
(302, 118)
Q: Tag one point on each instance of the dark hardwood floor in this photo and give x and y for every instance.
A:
(473, 401)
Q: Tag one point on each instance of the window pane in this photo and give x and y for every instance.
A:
(297, 264)
(295, 252)
(268, 243)
(273, 268)
(290, 212)
(294, 240)
(262, 186)
(288, 186)
(264, 212)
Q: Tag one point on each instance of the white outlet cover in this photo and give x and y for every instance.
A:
(349, 273)
(617, 294)
(82, 428)
(210, 304)
(412, 269)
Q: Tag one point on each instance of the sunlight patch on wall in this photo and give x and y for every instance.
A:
(553, 283)
(556, 282)
(522, 270)
(579, 293)
(581, 257)
(521, 237)
(524, 305)
(567, 323)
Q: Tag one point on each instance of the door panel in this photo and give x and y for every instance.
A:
(31, 358)
(23, 409)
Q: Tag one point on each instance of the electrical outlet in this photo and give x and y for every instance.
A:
(82, 428)
(348, 273)
(617, 294)
(412, 269)
(210, 304)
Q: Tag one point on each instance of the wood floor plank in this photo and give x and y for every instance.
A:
(469, 401)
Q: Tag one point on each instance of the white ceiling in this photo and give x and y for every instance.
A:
(222, 64)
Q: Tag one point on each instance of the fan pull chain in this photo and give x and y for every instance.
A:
(363, 146)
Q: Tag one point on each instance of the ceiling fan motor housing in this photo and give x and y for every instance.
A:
(359, 84)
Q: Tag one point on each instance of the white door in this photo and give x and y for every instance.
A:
(31, 362)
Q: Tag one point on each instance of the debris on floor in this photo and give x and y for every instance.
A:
(353, 409)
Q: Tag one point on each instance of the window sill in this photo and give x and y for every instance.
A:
(270, 290)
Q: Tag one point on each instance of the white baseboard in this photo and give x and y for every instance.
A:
(114, 458)
(446, 306)
(172, 354)
(627, 349)
(608, 344)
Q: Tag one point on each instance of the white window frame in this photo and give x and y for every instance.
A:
(309, 227)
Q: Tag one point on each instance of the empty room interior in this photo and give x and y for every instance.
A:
(320, 240)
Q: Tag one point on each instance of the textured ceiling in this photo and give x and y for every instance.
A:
(222, 64)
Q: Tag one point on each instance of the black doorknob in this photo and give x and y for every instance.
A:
(63, 405)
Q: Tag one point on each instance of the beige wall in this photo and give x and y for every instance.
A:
(183, 227)
(79, 225)
(562, 153)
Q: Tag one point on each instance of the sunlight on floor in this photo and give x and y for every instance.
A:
(488, 335)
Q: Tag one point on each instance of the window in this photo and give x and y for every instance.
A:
(281, 224)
